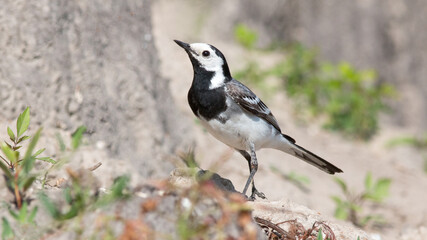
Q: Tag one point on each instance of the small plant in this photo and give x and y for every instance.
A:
(189, 158)
(66, 153)
(298, 180)
(349, 207)
(350, 99)
(18, 169)
(17, 165)
(7, 232)
(118, 191)
(253, 75)
(245, 36)
(23, 215)
(320, 235)
(419, 143)
(80, 196)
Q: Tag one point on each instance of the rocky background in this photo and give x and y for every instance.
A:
(386, 36)
(113, 67)
(91, 63)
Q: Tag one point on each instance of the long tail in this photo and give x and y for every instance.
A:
(309, 157)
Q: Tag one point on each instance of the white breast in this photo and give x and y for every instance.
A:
(240, 128)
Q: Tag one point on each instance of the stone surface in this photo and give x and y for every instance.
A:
(92, 63)
(274, 211)
(414, 234)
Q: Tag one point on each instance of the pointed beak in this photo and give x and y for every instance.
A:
(186, 47)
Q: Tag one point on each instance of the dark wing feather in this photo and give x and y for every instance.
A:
(243, 96)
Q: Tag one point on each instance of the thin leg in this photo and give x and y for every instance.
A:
(252, 170)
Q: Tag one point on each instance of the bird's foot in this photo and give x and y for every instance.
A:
(255, 192)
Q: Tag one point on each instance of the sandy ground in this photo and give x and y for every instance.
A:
(405, 209)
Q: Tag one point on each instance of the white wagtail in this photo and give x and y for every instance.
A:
(233, 114)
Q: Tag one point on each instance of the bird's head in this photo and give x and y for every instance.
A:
(206, 57)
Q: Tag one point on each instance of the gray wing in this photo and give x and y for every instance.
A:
(244, 97)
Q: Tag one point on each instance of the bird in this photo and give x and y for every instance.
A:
(234, 115)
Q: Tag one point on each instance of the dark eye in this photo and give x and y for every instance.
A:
(206, 53)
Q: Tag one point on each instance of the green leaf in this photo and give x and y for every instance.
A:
(10, 146)
(381, 189)
(23, 138)
(341, 213)
(47, 159)
(33, 215)
(6, 171)
(28, 161)
(49, 205)
(67, 195)
(27, 183)
(298, 178)
(320, 234)
(10, 154)
(368, 181)
(39, 152)
(76, 137)
(23, 122)
(22, 217)
(117, 192)
(119, 185)
(245, 36)
(365, 220)
(28, 164)
(377, 219)
(61, 143)
(337, 200)
(341, 183)
(7, 232)
(342, 209)
(355, 207)
(11, 134)
(383, 185)
(74, 210)
(412, 141)
(13, 213)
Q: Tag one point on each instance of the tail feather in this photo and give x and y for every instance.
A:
(313, 159)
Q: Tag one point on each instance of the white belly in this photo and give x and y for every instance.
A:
(242, 128)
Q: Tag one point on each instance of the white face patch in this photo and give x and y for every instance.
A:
(209, 60)
(217, 80)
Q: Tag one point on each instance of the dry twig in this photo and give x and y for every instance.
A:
(295, 231)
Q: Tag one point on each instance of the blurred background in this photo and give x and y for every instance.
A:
(346, 79)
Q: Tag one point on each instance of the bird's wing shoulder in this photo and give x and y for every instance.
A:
(245, 98)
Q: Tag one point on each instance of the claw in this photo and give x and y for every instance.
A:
(260, 194)
(257, 193)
